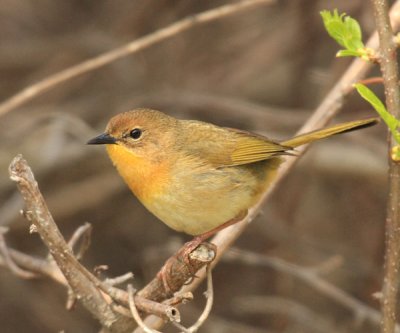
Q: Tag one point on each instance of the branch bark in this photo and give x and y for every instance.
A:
(78, 277)
(390, 74)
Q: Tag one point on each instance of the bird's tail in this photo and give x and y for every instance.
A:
(326, 132)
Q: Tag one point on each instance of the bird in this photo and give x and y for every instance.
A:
(194, 176)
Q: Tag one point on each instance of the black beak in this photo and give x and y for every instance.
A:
(102, 139)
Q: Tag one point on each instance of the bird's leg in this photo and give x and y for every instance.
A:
(201, 238)
(185, 251)
(197, 240)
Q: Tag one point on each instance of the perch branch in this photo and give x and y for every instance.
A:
(389, 68)
(86, 287)
(95, 295)
(78, 277)
(139, 44)
(48, 268)
(181, 270)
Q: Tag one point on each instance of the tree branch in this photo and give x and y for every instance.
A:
(311, 277)
(95, 295)
(137, 45)
(390, 69)
(77, 276)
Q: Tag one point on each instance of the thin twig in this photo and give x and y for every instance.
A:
(83, 234)
(389, 68)
(139, 44)
(47, 267)
(312, 278)
(294, 311)
(135, 313)
(37, 265)
(119, 279)
(162, 310)
(210, 299)
(371, 80)
(9, 262)
(207, 309)
(181, 327)
(71, 299)
(121, 310)
(179, 298)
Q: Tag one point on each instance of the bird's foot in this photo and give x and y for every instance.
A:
(183, 255)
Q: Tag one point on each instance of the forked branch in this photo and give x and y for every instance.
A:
(102, 299)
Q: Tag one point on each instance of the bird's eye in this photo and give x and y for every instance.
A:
(136, 133)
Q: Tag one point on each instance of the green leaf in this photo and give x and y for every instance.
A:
(343, 29)
(354, 38)
(391, 122)
(348, 53)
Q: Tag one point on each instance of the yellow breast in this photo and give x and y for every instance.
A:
(145, 178)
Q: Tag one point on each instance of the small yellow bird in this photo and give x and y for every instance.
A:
(194, 176)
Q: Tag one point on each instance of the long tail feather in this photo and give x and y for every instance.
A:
(326, 132)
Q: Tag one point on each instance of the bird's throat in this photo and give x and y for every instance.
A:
(145, 178)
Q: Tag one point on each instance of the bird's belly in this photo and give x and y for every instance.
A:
(201, 200)
(194, 217)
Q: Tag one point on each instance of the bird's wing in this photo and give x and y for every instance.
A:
(251, 147)
(222, 147)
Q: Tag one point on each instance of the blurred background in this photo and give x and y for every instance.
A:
(265, 70)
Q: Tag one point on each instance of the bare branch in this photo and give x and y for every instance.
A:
(36, 265)
(312, 278)
(180, 270)
(9, 262)
(139, 44)
(83, 234)
(295, 311)
(135, 313)
(119, 279)
(210, 299)
(390, 74)
(78, 277)
(179, 298)
(371, 80)
(96, 295)
(48, 268)
(207, 309)
(162, 310)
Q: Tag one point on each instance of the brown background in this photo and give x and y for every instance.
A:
(263, 70)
